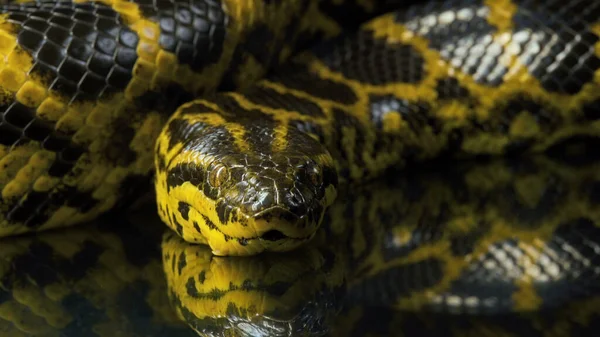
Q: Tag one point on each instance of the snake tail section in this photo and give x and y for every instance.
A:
(453, 79)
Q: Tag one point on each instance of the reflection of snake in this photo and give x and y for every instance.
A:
(102, 280)
(86, 87)
(516, 246)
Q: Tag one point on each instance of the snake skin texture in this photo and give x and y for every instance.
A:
(495, 249)
(250, 171)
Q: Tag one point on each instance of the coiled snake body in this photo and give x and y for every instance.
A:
(250, 171)
(87, 87)
(251, 116)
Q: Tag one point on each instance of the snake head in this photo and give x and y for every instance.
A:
(242, 187)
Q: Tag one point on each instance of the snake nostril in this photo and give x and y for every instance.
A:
(273, 235)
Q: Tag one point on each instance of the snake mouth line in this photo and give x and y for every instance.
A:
(273, 235)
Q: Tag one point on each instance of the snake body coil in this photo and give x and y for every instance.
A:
(96, 96)
(253, 171)
(88, 86)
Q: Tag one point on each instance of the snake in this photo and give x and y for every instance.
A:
(247, 117)
(254, 122)
(505, 247)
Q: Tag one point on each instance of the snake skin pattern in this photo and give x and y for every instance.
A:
(497, 249)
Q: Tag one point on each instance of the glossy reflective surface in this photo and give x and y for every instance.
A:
(507, 248)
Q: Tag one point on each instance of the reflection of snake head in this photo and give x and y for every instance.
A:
(271, 294)
(240, 183)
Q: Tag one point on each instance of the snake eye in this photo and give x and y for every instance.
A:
(218, 176)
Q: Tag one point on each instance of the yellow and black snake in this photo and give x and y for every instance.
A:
(251, 165)
(251, 118)
(504, 248)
